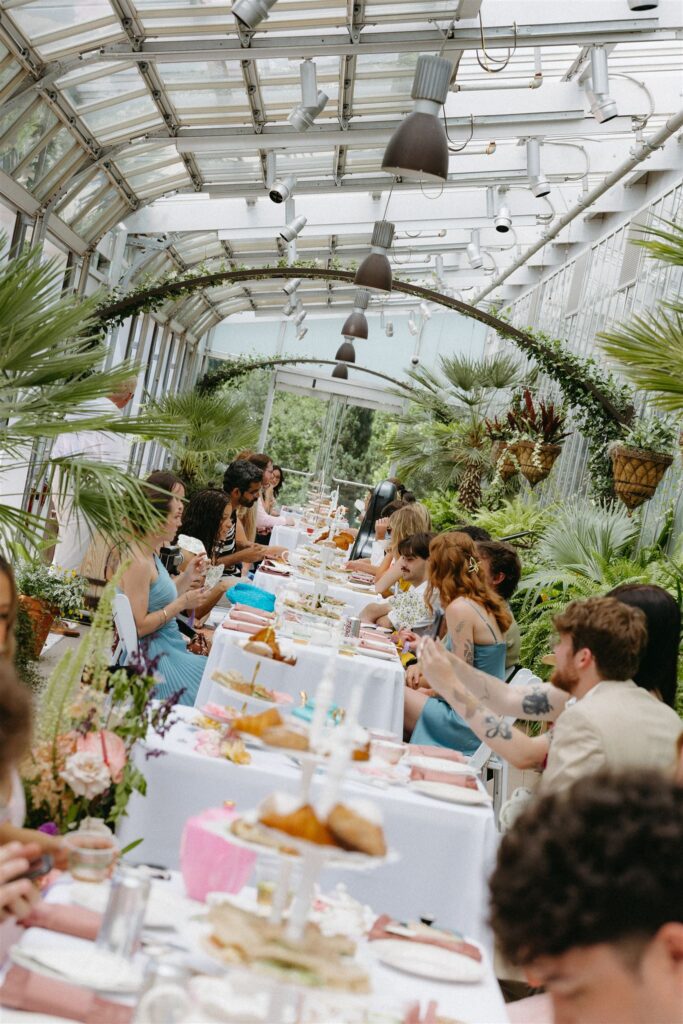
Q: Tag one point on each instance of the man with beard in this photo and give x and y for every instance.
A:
(602, 718)
(242, 483)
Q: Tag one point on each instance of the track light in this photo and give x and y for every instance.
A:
(289, 232)
(425, 310)
(289, 308)
(302, 332)
(412, 324)
(346, 352)
(374, 273)
(537, 183)
(474, 252)
(250, 13)
(643, 5)
(603, 107)
(418, 149)
(300, 317)
(291, 286)
(313, 100)
(389, 329)
(356, 323)
(341, 371)
(503, 219)
(283, 189)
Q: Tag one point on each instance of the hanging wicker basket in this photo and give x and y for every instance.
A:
(505, 465)
(42, 616)
(535, 460)
(637, 473)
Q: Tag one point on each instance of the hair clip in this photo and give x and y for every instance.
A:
(472, 564)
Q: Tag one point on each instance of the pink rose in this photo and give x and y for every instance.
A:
(110, 748)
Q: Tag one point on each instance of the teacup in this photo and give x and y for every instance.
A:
(92, 855)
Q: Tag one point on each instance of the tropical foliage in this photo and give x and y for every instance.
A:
(63, 590)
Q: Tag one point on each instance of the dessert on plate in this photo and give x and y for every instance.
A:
(352, 825)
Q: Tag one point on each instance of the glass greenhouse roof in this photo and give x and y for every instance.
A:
(109, 105)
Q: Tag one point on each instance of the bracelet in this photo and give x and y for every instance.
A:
(163, 612)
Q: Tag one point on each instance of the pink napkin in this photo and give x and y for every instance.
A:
(240, 616)
(242, 627)
(377, 645)
(35, 993)
(427, 936)
(429, 775)
(424, 750)
(274, 572)
(252, 611)
(67, 919)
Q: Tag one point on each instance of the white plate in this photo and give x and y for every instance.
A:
(437, 764)
(452, 794)
(427, 961)
(87, 966)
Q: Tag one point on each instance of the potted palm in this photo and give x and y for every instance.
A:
(46, 592)
(500, 435)
(641, 458)
(537, 435)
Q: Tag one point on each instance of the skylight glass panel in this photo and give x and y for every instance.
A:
(72, 205)
(108, 121)
(39, 166)
(228, 170)
(61, 25)
(105, 88)
(29, 132)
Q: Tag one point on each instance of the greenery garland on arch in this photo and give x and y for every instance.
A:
(604, 404)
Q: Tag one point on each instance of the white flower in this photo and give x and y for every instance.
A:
(87, 774)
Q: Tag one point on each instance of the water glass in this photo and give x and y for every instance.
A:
(91, 855)
(125, 912)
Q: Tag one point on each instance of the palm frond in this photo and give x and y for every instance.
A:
(650, 350)
(666, 246)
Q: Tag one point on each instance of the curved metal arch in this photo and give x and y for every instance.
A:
(527, 343)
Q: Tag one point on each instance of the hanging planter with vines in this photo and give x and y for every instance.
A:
(502, 457)
(537, 435)
(640, 460)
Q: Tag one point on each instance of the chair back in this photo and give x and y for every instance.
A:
(125, 627)
(381, 496)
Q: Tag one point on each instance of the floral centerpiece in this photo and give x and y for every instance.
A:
(46, 592)
(641, 457)
(538, 432)
(90, 717)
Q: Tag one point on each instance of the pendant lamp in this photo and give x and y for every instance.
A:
(346, 352)
(341, 371)
(418, 149)
(356, 324)
(374, 273)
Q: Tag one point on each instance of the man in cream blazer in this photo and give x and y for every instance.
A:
(611, 723)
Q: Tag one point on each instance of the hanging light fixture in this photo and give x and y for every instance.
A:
(289, 308)
(283, 189)
(300, 317)
(291, 286)
(341, 371)
(313, 100)
(356, 323)
(346, 352)
(374, 273)
(302, 332)
(603, 107)
(418, 149)
(289, 232)
(250, 13)
(426, 311)
(643, 5)
(412, 323)
(537, 183)
(474, 252)
(389, 329)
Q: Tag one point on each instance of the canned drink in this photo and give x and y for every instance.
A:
(354, 627)
(125, 912)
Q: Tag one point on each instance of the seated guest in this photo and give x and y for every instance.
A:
(604, 932)
(408, 608)
(503, 569)
(248, 514)
(276, 484)
(377, 553)
(616, 722)
(156, 598)
(404, 522)
(208, 518)
(265, 520)
(476, 620)
(242, 484)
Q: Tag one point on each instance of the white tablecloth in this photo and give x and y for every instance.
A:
(382, 682)
(446, 850)
(480, 1003)
(355, 599)
(289, 537)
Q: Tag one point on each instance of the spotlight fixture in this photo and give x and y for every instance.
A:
(537, 183)
(643, 5)
(341, 371)
(302, 332)
(374, 273)
(356, 323)
(291, 286)
(300, 317)
(603, 107)
(250, 13)
(474, 252)
(412, 324)
(313, 100)
(289, 232)
(389, 329)
(425, 310)
(503, 219)
(418, 149)
(283, 189)
(346, 352)
(289, 308)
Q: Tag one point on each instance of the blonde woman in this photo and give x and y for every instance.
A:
(403, 523)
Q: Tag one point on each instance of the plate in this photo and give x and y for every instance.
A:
(427, 961)
(241, 698)
(451, 794)
(85, 965)
(437, 764)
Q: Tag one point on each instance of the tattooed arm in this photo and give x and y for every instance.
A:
(500, 735)
(461, 632)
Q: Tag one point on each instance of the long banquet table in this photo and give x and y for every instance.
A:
(382, 682)
(446, 850)
(478, 1003)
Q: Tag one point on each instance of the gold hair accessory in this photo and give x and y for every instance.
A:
(472, 564)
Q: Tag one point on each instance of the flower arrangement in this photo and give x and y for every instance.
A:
(529, 422)
(91, 715)
(63, 590)
(498, 430)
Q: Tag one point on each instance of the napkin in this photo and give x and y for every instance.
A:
(67, 919)
(422, 933)
(35, 993)
(377, 645)
(240, 616)
(242, 627)
(424, 750)
(430, 775)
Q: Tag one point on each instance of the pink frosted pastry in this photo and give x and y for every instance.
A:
(210, 862)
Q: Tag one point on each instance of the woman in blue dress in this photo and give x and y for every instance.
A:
(477, 620)
(156, 599)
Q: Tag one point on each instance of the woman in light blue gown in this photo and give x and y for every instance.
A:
(156, 598)
(477, 620)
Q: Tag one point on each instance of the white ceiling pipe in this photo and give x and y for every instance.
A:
(639, 153)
